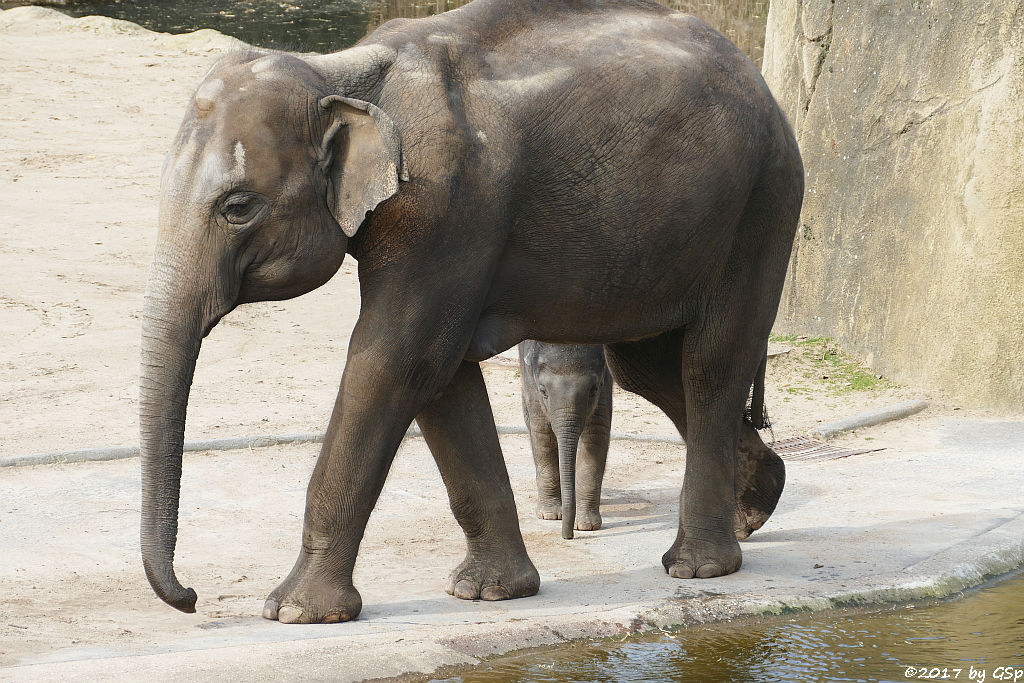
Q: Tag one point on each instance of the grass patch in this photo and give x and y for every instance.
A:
(822, 361)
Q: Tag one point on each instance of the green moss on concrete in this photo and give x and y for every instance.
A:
(821, 361)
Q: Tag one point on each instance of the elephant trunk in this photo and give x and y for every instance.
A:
(172, 332)
(567, 433)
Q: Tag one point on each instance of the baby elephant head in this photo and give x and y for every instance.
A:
(267, 179)
(568, 379)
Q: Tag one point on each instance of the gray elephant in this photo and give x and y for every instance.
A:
(575, 171)
(567, 402)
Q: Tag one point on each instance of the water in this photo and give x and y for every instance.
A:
(300, 25)
(946, 640)
(329, 25)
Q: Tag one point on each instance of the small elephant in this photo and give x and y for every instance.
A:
(567, 402)
(575, 171)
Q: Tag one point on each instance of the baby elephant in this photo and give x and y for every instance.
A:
(567, 400)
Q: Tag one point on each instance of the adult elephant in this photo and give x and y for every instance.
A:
(573, 171)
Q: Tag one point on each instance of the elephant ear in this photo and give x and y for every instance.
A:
(361, 156)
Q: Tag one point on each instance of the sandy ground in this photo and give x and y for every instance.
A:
(87, 110)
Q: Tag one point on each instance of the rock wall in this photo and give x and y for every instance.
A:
(910, 252)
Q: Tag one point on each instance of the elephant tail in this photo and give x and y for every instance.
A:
(758, 415)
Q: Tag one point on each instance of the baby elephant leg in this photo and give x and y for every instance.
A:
(545, 459)
(592, 460)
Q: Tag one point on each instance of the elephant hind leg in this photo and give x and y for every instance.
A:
(652, 368)
(458, 426)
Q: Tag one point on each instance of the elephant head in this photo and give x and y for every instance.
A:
(569, 379)
(271, 173)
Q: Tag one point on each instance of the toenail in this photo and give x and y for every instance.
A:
(465, 590)
(681, 571)
(289, 614)
(495, 593)
(706, 571)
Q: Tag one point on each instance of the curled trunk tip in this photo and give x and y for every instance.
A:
(167, 587)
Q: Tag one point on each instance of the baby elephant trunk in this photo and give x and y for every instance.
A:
(568, 443)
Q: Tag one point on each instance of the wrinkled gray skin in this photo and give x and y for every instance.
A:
(567, 403)
(575, 171)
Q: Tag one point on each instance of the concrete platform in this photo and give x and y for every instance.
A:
(940, 509)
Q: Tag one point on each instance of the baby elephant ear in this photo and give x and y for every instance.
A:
(361, 156)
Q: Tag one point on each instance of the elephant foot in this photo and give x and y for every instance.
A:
(588, 520)
(494, 579)
(549, 510)
(760, 478)
(305, 597)
(697, 556)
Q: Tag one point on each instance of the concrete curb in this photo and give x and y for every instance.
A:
(122, 452)
(250, 442)
(995, 553)
(868, 419)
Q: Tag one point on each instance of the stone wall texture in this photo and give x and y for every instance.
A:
(910, 252)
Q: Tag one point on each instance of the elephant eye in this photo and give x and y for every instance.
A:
(241, 208)
(543, 390)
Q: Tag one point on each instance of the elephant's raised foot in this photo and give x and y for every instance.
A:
(760, 478)
(690, 558)
(502, 579)
(304, 598)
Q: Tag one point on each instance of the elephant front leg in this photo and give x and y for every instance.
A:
(366, 428)
(458, 426)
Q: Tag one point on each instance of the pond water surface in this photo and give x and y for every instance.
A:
(979, 635)
(301, 25)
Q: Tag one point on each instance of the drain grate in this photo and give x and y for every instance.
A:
(806, 448)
